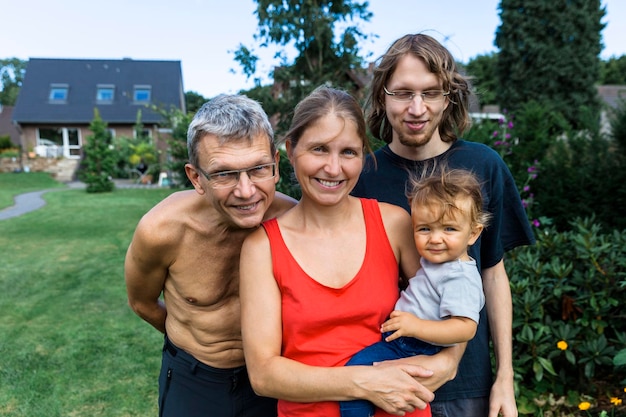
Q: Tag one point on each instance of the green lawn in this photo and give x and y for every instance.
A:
(12, 184)
(69, 343)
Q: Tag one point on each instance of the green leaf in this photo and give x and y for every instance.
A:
(547, 365)
(538, 370)
(620, 358)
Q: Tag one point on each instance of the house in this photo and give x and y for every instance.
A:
(58, 96)
(6, 125)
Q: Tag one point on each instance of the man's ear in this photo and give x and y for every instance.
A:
(194, 177)
(277, 160)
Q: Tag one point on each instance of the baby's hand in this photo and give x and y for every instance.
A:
(399, 323)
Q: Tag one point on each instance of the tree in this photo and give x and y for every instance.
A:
(325, 52)
(193, 101)
(613, 71)
(178, 123)
(549, 52)
(12, 71)
(482, 70)
(98, 162)
(618, 129)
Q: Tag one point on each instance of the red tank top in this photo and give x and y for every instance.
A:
(325, 326)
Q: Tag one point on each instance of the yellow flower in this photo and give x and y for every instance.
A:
(562, 344)
(584, 405)
(616, 401)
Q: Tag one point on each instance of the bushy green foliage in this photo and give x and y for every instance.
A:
(177, 155)
(482, 72)
(569, 325)
(618, 128)
(570, 287)
(613, 71)
(561, 173)
(97, 166)
(549, 53)
(12, 71)
(288, 184)
(5, 142)
(582, 175)
(193, 101)
(325, 35)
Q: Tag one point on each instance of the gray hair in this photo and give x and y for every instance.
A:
(229, 118)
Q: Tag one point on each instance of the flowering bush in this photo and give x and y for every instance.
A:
(569, 346)
(568, 324)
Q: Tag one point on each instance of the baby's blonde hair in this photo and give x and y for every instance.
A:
(442, 190)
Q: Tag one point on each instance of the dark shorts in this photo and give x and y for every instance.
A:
(191, 388)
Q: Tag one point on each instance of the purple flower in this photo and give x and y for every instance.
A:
(510, 125)
(536, 223)
(508, 136)
(525, 203)
(495, 133)
(526, 188)
(532, 168)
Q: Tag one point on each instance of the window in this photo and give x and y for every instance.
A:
(142, 133)
(105, 94)
(58, 93)
(142, 94)
(58, 142)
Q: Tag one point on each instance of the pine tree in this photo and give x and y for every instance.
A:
(549, 53)
(98, 160)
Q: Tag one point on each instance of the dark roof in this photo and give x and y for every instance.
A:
(83, 76)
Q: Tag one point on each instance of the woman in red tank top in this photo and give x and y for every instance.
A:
(317, 283)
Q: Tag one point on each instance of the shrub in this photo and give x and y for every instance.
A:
(581, 174)
(98, 162)
(5, 142)
(569, 325)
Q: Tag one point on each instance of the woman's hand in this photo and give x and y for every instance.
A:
(394, 388)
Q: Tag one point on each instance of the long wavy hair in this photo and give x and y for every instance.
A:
(441, 63)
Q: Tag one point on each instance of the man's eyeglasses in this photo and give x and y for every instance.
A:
(230, 179)
(405, 96)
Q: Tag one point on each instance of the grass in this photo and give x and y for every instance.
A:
(16, 183)
(69, 343)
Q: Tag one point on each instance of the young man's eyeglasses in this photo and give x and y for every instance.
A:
(230, 179)
(405, 96)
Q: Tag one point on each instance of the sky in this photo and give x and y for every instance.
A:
(203, 34)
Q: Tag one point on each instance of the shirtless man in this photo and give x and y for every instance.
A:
(187, 248)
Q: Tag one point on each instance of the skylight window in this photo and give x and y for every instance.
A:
(58, 93)
(142, 94)
(105, 94)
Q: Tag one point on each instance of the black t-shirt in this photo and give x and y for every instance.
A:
(386, 180)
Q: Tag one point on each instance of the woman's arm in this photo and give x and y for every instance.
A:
(391, 387)
(444, 365)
